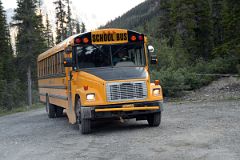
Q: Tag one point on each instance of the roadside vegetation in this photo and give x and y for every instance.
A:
(191, 38)
(4, 112)
(18, 68)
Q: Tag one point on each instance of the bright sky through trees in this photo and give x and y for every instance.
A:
(92, 12)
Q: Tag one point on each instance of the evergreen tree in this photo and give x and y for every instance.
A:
(193, 23)
(217, 21)
(184, 23)
(30, 42)
(69, 20)
(165, 26)
(203, 28)
(61, 23)
(83, 27)
(48, 33)
(5, 53)
(78, 28)
(230, 49)
(232, 21)
(7, 71)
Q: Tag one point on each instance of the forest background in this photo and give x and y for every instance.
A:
(192, 38)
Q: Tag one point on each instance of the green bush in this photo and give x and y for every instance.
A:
(11, 95)
(172, 81)
(217, 65)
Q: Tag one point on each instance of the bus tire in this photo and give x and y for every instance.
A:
(59, 111)
(50, 108)
(77, 109)
(154, 120)
(85, 126)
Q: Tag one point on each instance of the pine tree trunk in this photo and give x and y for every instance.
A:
(29, 78)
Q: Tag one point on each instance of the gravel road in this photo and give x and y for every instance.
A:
(201, 130)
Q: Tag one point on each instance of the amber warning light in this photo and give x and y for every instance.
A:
(85, 40)
(157, 82)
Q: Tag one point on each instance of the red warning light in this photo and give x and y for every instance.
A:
(140, 38)
(78, 40)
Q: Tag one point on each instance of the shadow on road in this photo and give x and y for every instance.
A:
(106, 126)
(109, 126)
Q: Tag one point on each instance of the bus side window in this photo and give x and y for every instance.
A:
(41, 68)
(45, 67)
(49, 66)
(57, 67)
(62, 66)
(53, 64)
(51, 60)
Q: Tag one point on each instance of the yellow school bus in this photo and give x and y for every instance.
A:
(103, 74)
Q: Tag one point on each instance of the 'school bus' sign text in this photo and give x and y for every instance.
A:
(109, 37)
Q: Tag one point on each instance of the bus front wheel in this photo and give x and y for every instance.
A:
(83, 123)
(77, 110)
(50, 108)
(85, 126)
(154, 120)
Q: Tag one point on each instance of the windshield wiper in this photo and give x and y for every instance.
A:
(97, 48)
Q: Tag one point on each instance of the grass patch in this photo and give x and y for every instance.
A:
(20, 109)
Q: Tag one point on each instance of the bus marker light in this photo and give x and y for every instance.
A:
(133, 38)
(157, 82)
(85, 88)
(85, 40)
(140, 38)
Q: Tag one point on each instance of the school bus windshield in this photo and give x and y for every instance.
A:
(116, 55)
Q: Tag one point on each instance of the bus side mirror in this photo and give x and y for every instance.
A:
(153, 57)
(150, 49)
(67, 62)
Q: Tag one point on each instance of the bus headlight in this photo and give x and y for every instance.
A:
(156, 92)
(91, 97)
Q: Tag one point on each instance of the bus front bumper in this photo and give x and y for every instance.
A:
(125, 111)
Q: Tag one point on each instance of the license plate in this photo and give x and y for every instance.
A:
(128, 106)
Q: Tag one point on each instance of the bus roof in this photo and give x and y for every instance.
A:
(59, 47)
(69, 41)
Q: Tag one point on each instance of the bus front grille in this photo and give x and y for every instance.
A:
(126, 91)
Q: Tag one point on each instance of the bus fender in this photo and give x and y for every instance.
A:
(160, 103)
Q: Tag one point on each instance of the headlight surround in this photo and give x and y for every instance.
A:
(156, 92)
(90, 96)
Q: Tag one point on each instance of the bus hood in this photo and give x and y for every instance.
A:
(118, 73)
